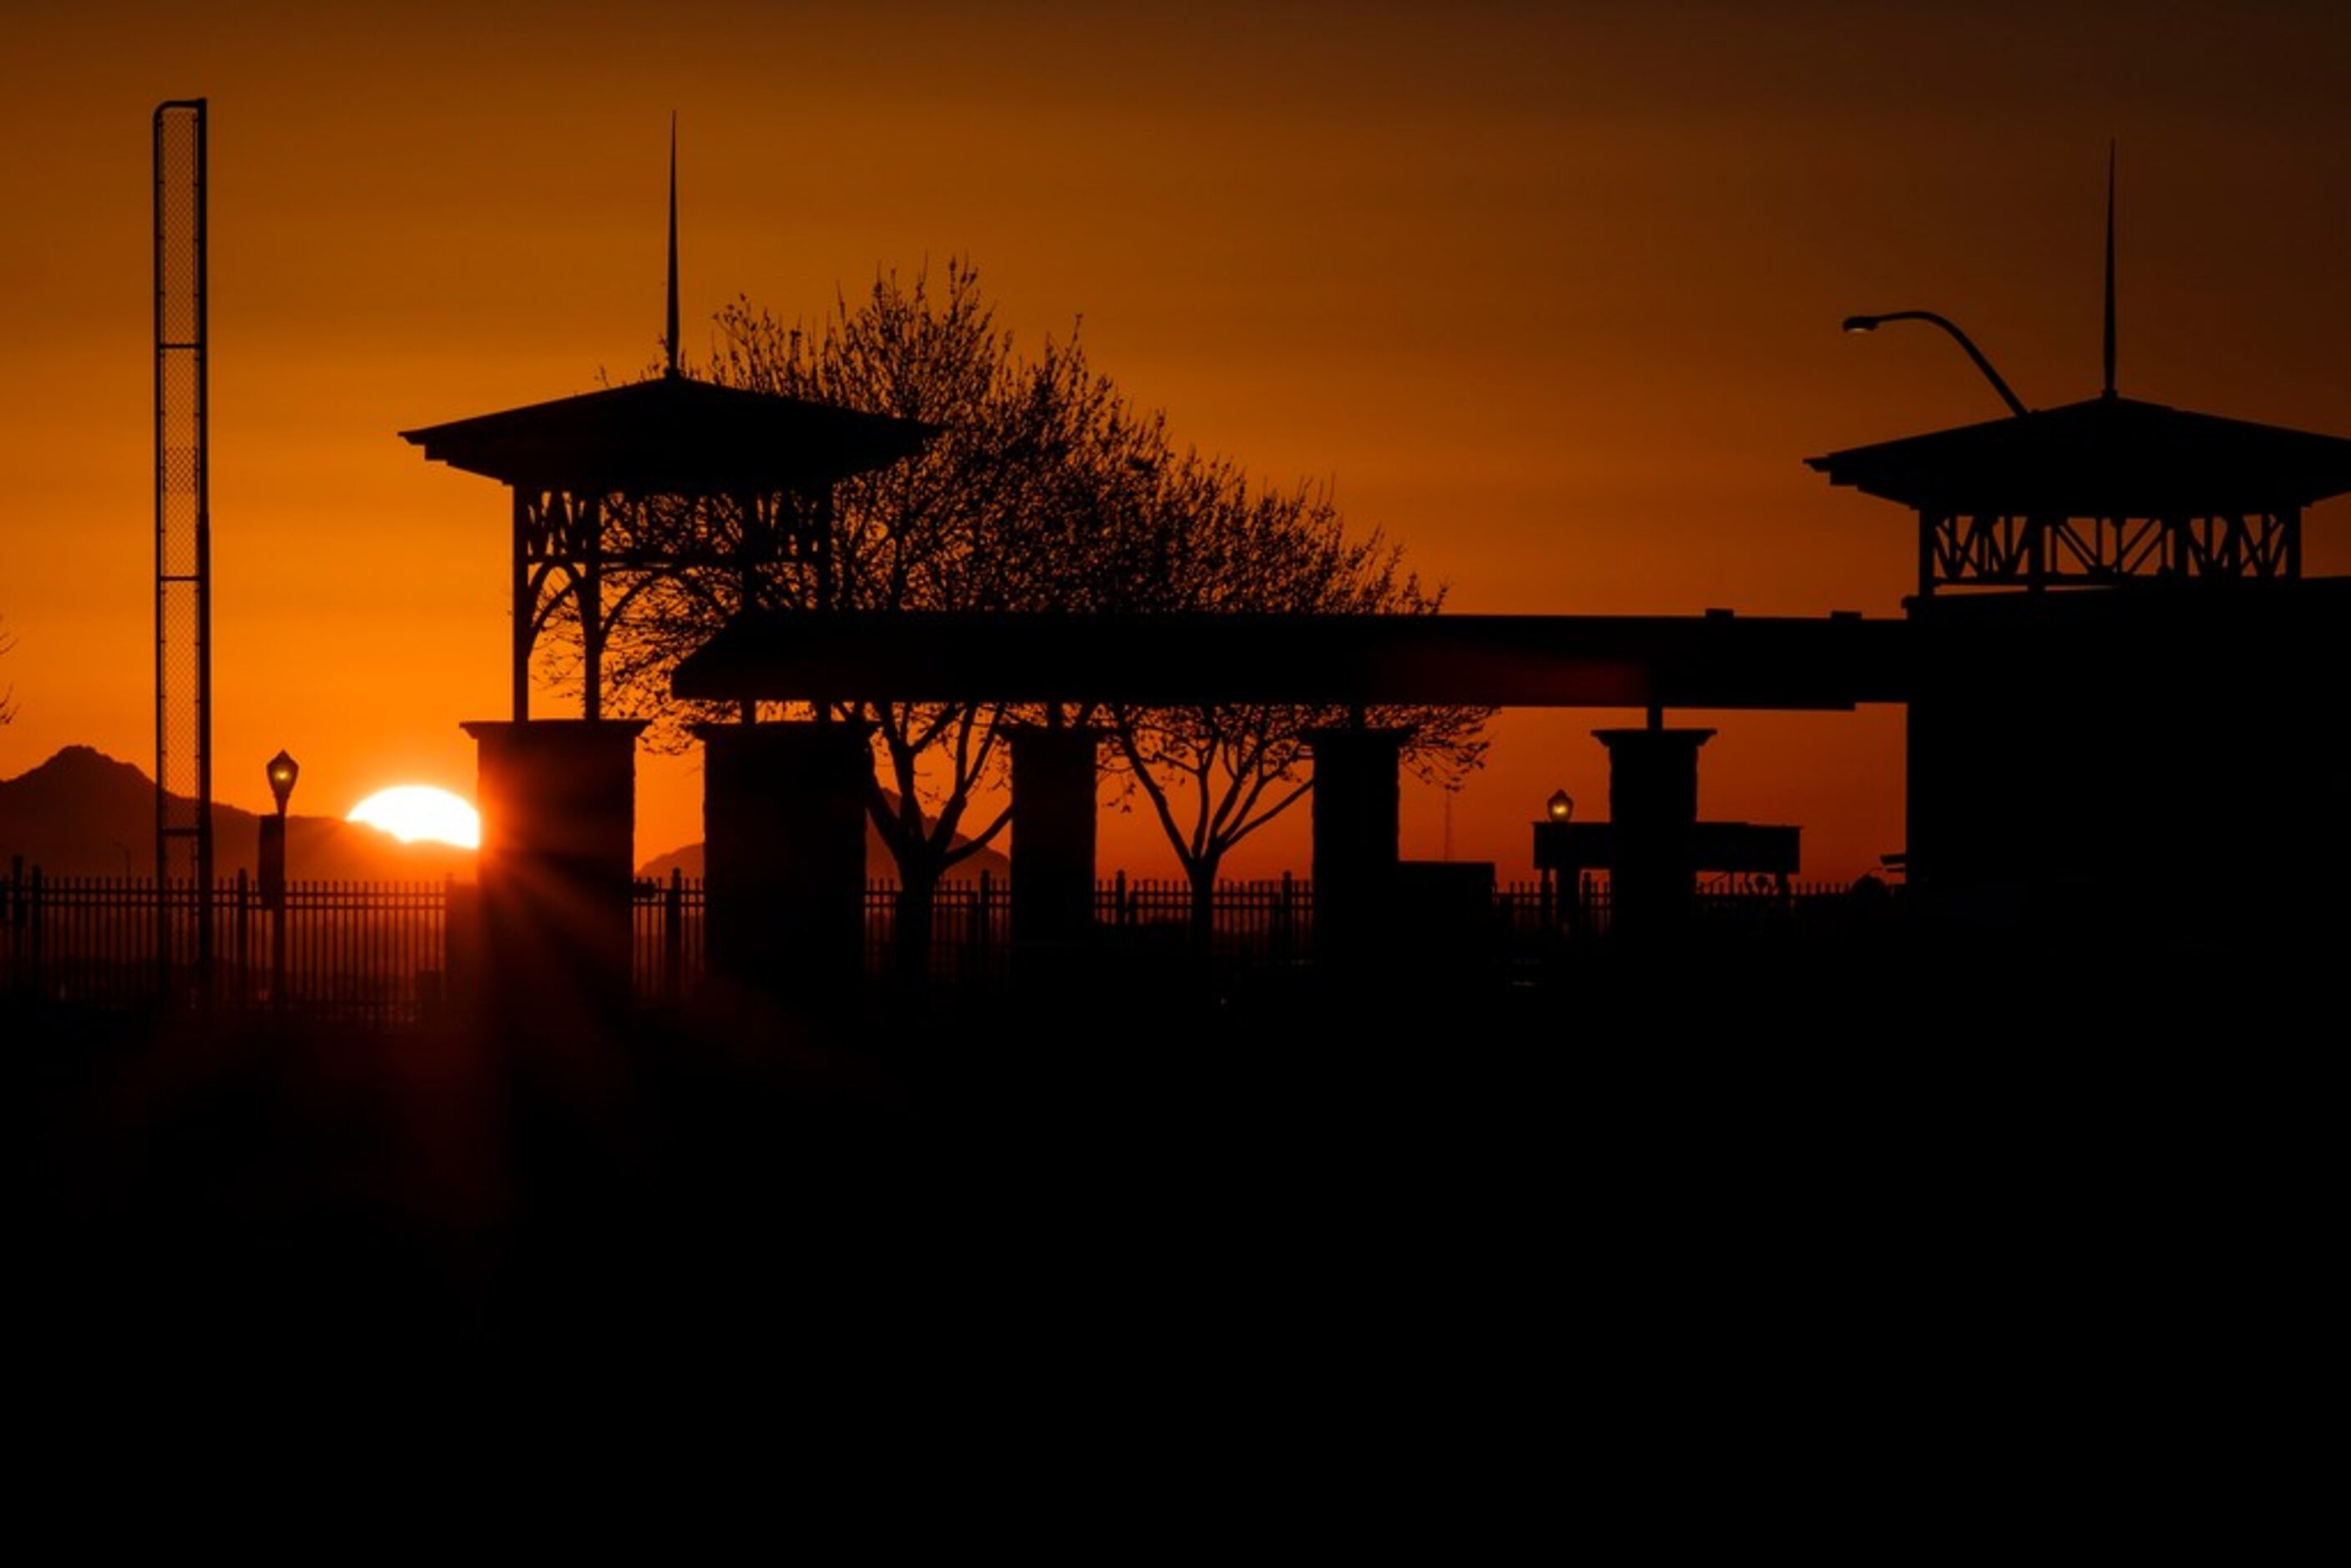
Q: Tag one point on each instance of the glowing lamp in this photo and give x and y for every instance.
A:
(1561, 806)
(283, 771)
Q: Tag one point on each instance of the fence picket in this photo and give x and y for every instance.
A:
(390, 953)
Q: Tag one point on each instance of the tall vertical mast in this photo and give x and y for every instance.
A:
(183, 759)
(672, 338)
(2110, 269)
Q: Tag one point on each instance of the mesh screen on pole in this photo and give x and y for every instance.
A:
(183, 792)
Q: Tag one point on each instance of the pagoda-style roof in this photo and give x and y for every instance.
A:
(673, 436)
(2104, 457)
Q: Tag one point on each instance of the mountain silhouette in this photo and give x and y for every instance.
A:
(879, 865)
(84, 813)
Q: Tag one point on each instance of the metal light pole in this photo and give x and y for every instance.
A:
(1561, 809)
(283, 770)
(1871, 324)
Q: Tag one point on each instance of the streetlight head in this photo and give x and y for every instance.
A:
(1561, 806)
(1871, 324)
(283, 771)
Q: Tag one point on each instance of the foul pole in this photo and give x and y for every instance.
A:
(184, 676)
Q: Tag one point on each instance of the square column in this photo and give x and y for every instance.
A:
(557, 867)
(783, 815)
(1053, 834)
(1652, 806)
(1355, 812)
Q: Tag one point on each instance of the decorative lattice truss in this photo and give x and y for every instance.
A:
(1996, 550)
(593, 558)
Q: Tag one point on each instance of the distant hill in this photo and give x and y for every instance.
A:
(83, 813)
(879, 866)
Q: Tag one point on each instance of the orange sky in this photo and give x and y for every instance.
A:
(1550, 292)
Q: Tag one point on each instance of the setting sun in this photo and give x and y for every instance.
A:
(414, 813)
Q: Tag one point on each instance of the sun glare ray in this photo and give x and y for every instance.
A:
(419, 813)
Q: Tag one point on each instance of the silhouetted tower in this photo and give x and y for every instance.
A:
(2121, 668)
(184, 676)
(2103, 493)
(2100, 493)
(671, 484)
(616, 490)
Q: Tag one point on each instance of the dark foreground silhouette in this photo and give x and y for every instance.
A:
(1665, 1199)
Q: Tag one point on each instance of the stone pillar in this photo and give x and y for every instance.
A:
(1053, 830)
(783, 822)
(556, 869)
(1355, 832)
(1652, 806)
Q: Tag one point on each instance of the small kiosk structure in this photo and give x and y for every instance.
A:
(613, 492)
(2121, 720)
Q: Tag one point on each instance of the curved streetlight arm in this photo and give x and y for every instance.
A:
(1871, 323)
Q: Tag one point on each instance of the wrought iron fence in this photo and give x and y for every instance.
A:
(381, 952)
(667, 938)
(1268, 922)
(367, 952)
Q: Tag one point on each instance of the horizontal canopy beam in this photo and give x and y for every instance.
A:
(1711, 661)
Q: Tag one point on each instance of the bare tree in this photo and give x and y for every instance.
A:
(1204, 538)
(990, 517)
(1043, 491)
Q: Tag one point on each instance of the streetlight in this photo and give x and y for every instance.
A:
(1871, 324)
(1561, 810)
(282, 770)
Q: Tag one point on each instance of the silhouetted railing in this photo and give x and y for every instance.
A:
(1270, 922)
(668, 939)
(381, 952)
(362, 951)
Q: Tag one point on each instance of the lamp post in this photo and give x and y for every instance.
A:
(1871, 324)
(282, 770)
(1560, 809)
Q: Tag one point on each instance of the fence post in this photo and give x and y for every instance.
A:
(1119, 914)
(877, 944)
(979, 932)
(244, 943)
(38, 915)
(672, 932)
(278, 958)
(1287, 934)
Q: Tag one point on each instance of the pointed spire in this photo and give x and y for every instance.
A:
(670, 342)
(2110, 268)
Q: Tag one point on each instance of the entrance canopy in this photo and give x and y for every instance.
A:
(1711, 661)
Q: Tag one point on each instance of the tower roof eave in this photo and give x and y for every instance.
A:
(672, 435)
(2107, 456)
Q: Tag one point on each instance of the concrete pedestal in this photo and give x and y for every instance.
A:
(556, 869)
(783, 813)
(1653, 806)
(1053, 835)
(1356, 810)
